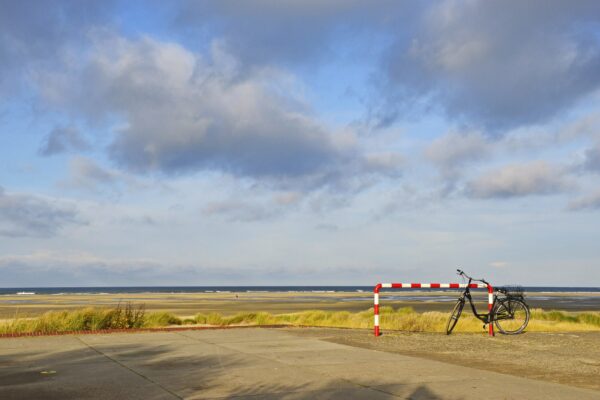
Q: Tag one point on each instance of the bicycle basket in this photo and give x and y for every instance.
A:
(512, 291)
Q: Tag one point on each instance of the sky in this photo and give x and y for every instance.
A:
(299, 142)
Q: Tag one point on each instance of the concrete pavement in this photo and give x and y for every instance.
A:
(238, 363)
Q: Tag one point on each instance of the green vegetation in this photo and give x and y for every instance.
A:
(402, 319)
(120, 317)
(586, 318)
(158, 319)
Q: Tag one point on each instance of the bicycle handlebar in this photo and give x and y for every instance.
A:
(462, 273)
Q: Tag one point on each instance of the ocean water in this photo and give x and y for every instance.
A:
(247, 289)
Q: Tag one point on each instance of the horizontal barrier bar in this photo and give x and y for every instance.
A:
(379, 286)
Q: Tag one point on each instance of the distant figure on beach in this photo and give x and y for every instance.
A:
(236, 296)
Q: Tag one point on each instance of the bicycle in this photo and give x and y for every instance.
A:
(509, 313)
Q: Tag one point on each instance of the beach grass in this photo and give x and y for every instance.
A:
(128, 316)
(404, 319)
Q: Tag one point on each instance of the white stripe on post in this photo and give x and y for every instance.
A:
(386, 285)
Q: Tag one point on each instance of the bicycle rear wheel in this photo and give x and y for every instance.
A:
(511, 316)
(454, 316)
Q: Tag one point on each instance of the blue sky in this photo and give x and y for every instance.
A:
(299, 142)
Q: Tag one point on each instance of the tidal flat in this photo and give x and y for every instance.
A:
(230, 303)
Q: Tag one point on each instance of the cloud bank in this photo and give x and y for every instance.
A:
(497, 64)
(180, 112)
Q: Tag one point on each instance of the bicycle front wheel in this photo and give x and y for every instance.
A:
(511, 316)
(454, 316)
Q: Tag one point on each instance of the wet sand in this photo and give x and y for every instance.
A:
(183, 304)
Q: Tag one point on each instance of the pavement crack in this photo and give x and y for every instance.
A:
(128, 368)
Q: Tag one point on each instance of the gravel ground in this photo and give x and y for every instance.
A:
(567, 358)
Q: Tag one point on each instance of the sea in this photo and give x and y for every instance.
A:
(242, 289)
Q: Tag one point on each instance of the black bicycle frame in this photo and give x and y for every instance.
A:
(486, 318)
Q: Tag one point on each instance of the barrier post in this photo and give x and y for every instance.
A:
(379, 286)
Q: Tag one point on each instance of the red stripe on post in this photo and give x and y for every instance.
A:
(490, 306)
(397, 285)
(415, 285)
(454, 286)
(376, 309)
(473, 286)
(435, 285)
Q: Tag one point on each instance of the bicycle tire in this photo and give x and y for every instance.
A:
(456, 312)
(511, 316)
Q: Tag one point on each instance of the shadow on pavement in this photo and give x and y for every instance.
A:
(190, 370)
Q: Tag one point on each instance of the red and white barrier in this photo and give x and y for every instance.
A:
(430, 286)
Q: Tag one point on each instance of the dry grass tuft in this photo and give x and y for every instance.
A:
(126, 316)
(402, 319)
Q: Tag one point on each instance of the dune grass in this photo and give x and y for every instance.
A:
(405, 319)
(125, 316)
(401, 319)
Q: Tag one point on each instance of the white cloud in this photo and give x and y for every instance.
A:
(182, 114)
(87, 175)
(533, 178)
(298, 32)
(242, 211)
(498, 264)
(34, 216)
(497, 64)
(453, 150)
(62, 139)
(31, 35)
(592, 159)
(589, 202)
(388, 163)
